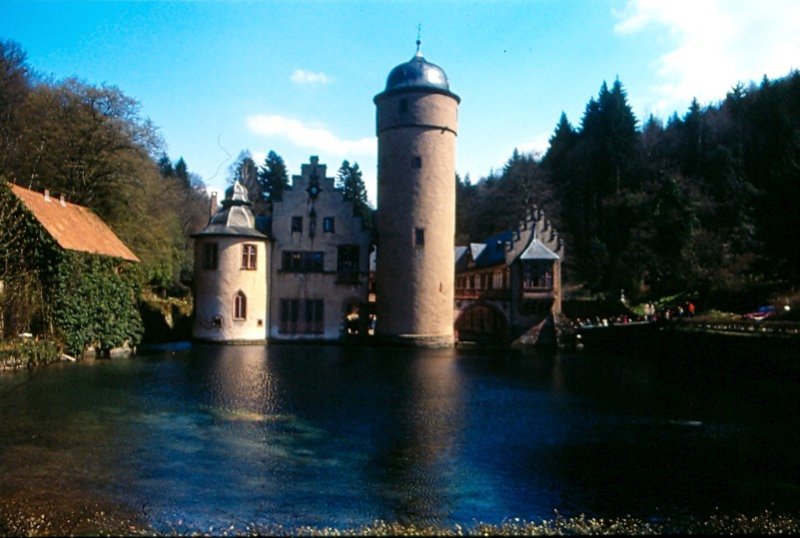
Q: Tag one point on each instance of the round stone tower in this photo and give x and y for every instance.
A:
(231, 265)
(417, 117)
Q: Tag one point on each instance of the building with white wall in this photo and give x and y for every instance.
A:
(231, 267)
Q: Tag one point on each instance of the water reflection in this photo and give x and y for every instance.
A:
(413, 462)
(239, 382)
(333, 436)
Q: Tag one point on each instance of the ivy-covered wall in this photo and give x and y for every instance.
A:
(96, 303)
(81, 300)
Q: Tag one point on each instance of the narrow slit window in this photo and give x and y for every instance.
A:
(419, 237)
(416, 162)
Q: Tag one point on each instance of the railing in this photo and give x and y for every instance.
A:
(489, 294)
(773, 328)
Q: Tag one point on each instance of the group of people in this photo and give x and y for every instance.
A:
(683, 310)
(651, 314)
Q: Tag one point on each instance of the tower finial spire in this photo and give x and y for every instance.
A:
(419, 42)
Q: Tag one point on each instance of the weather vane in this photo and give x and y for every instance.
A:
(419, 31)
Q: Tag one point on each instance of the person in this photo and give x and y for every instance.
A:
(690, 308)
(649, 310)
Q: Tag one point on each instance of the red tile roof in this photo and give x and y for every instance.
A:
(74, 227)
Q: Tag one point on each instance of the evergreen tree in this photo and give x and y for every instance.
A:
(182, 173)
(273, 177)
(354, 190)
(165, 166)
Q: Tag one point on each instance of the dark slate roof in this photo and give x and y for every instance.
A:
(487, 254)
(220, 229)
(235, 218)
(494, 251)
(417, 73)
(462, 259)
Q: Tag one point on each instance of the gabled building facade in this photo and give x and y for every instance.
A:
(509, 286)
(319, 281)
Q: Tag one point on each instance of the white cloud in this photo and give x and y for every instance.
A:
(301, 76)
(716, 43)
(538, 146)
(314, 138)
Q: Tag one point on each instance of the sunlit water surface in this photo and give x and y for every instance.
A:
(340, 437)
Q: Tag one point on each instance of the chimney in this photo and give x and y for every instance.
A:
(47, 195)
(62, 200)
(213, 208)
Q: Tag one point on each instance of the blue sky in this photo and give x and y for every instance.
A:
(298, 77)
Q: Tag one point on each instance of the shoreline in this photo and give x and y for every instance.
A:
(19, 518)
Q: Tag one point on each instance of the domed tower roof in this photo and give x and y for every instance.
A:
(235, 217)
(418, 73)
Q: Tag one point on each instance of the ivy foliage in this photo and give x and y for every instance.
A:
(96, 303)
(81, 299)
(29, 259)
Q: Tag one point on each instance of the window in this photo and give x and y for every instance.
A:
(416, 162)
(249, 256)
(297, 224)
(210, 256)
(315, 322)
(328, 225)
(347, 264)
(302, 262)
(239, 306)
(403, 105)
(419, 237)
(537, 276)
(290, 314)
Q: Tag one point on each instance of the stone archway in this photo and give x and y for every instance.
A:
(483, 324)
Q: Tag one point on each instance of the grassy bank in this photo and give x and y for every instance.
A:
(16, 520)
(26, 353)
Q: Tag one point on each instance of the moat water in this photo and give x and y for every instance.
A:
(213, 436)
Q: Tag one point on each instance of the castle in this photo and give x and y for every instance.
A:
(309, 277)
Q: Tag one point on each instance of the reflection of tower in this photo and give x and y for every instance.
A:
(417, 118)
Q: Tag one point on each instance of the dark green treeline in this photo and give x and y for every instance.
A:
(706, 201)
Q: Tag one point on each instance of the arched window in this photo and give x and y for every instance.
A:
(239, 306)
